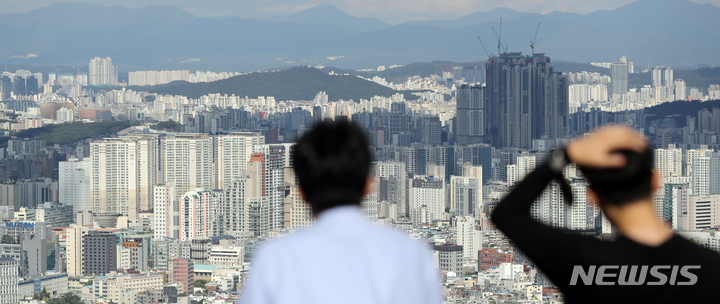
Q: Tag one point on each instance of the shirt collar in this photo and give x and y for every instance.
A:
(340, 215)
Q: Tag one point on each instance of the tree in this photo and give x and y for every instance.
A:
(200, 283)
(7, 239)
(69, 298)
(167, 126)
(43, 295)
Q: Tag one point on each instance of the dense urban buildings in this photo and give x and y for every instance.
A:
(186, 189)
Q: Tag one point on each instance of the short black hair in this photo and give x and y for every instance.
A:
(332, 164)
(626, 184)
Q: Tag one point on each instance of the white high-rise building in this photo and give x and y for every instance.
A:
(523, 166)
(233, 154)
(657, 76)
(668, 162)
(74, 183)
(74, 249)
(700, 212)
(550, 207)
(581, 214)
(8, 281)
(102, 72)
(427, 200)
(691, 154)
(65, 115)
(199, 213)
(703, 169)
(124, 172)
(668, 78)
(469, 237)
(166, 212)
(681, 90)
(188, 161)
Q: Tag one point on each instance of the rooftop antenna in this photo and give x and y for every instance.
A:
(483, 45)
(532, 43)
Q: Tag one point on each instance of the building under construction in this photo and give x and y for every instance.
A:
(524, 100)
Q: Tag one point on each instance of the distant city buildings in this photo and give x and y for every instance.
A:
(102, 72)
(150, 78)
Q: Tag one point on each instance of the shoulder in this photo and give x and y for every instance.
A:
(400, 239)
(690, 250)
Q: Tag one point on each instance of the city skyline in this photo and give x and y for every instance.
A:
(149, 152)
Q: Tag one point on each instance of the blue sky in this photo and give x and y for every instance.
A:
(392, 11)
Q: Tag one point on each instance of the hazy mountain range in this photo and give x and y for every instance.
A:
(675, 33)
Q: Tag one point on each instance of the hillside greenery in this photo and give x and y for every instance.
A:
(69, 298)
(298, 83)
(72, 132)
(169, 125)
(681, 108)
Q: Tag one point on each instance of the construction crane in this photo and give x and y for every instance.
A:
(532, 42)
(499, 36)
(483, 45)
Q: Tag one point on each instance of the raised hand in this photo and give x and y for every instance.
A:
(596, 149)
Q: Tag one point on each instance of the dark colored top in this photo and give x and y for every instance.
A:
(557, 253)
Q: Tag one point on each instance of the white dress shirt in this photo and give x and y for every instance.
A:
(345, 259)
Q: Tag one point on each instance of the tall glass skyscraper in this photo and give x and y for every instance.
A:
(524, 100)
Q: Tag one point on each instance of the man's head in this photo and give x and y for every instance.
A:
(630, 183)
(332, 163)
